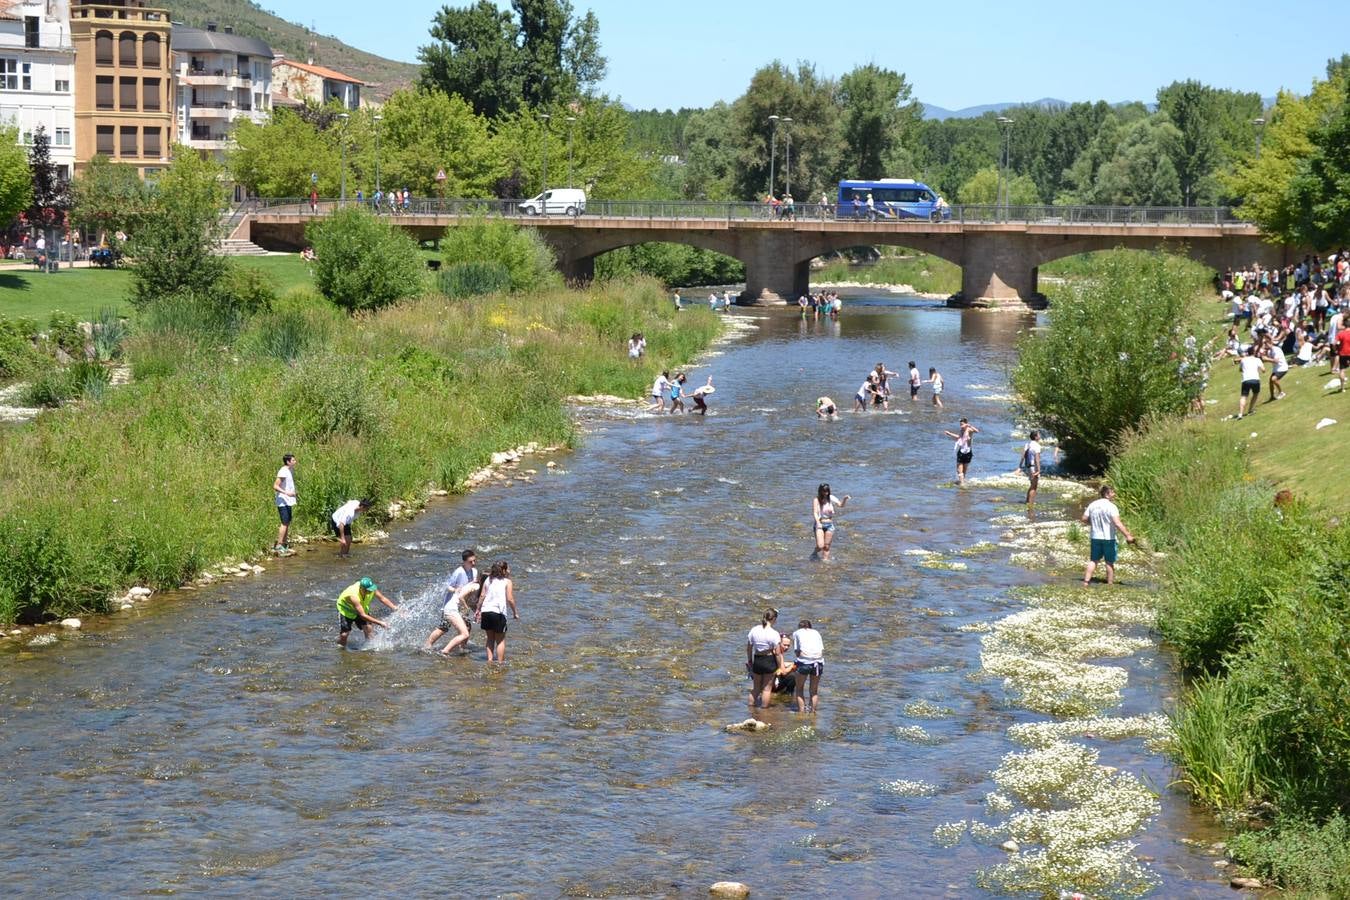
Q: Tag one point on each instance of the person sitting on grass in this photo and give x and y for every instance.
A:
(353, 606)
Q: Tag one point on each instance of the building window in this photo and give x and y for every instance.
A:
(126, 49)
(151, 142)
(103, 48)
(127, 94)
(150, 51)
(62, 138)
(15, 75)
(31, 32)
(103, 92)
(104, 146)
(26, 138)
(150, 94)
(129, 135)
(62, 86)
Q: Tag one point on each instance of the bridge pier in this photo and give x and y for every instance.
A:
(577, 271)
(998, 270)
(771, 278)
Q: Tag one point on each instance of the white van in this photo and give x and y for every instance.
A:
(556, 202)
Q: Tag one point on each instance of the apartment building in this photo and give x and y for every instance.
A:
(296, 80)
(220, 78)
(37, 66)
(123, 92)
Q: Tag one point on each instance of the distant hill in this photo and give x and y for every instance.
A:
(973, 112)
(384, 75)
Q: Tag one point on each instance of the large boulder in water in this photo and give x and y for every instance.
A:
(728, 889)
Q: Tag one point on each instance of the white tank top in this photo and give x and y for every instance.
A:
(494, 596)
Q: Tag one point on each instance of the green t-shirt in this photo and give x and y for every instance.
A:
(348, 600)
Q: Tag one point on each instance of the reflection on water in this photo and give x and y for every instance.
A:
(220, 742)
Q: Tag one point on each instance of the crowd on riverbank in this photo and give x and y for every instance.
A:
(1295, 316)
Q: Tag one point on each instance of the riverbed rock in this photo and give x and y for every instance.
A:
(139, 592)
(551, 464)
(501, 458)
(258, 570)
(1252, 884)
(72, 623)
(126, 606)
(728, 889)
(1010, 846)
(749, 725)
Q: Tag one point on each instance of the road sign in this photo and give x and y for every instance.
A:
(313, 177)
(440, 175)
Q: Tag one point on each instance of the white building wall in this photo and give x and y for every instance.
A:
(36, 83)
(207, 105)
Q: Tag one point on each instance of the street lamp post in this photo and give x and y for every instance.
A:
(1003, 186)
(773, 147)
(787, 157)
(1260, 124)
(571, 120)
(544, 117)
(378, 119)
(342, 138)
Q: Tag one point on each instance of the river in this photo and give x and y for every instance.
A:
(217, 741)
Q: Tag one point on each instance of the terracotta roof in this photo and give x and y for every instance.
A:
(321, 71)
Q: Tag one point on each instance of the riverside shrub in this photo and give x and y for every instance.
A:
(1108, 359)
(363, 262)
(527, 259)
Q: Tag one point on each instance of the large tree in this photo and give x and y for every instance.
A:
(878, 114)
(601, 161)
(174, 243)
(1321, 189)
(279, 158)
(534, 54)
(424, 132)
(51, 193)
(982, 189)
(1194, 109)
(108, 196)
(16, 183)
(807, 99)
(1141, 173)
(710, 158)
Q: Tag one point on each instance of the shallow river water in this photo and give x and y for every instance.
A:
(217, 741)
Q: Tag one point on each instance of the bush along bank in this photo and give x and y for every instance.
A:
(1256, 602)
(156, 481)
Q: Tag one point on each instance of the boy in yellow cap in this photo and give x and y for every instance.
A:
(353, 606)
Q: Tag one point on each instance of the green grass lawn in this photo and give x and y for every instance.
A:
(81, 292)
(1287, 448)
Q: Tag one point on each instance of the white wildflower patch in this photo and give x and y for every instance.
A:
(916, 734)
(980, 547)
(1155, 729)
(996, 802)
(949, 833)
(906, 788)
(926, 709)
(938, 562)
(1077, 821)
(919, 551)
(1056, 687)
(976, 628)
(1016, 480)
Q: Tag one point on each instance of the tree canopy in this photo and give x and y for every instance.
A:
(537, 53)
(16, 184)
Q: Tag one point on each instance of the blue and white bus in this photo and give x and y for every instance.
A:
(892, 198)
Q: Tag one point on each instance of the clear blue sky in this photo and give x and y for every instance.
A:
(673, 53)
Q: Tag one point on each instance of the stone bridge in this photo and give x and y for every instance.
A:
(999, 250)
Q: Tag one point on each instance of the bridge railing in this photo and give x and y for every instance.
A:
(694, 210)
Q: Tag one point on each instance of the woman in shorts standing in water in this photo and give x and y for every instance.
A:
(496, 595)
(822, 517)
(763, 657)
(965, 448)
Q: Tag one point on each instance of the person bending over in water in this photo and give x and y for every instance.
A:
(496, 594)
(353, 607)
(763, 658)
(452, 619)
(822, 516)
(700, 404)
(809, 650)
(825, 408)
(965, 448)
(785, 679)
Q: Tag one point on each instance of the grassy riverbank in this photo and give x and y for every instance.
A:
(82, 292)
(1256, 603)
(926, 274)
(163, 477)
